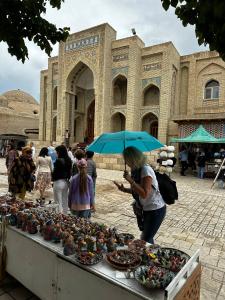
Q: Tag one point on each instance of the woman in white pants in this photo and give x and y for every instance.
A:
(60, 176)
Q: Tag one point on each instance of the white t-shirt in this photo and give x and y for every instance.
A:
(154, 200)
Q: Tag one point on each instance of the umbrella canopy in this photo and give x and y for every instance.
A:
(200, 135)
(115, 143)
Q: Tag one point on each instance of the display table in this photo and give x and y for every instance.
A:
(42, 268)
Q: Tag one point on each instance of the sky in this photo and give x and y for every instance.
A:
(152, 24)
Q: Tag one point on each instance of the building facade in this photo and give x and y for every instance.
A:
(100, 84)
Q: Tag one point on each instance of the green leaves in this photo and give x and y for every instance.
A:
(22, 19)
(208, 18)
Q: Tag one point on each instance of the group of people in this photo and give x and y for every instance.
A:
(194, 160)
(72, 177)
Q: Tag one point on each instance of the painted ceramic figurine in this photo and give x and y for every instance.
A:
(47, 230)
(56, 233)
(13, 216)
(32, 224)
(69, 248)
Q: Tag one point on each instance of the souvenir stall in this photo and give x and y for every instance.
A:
(201, 138)
(64, 257)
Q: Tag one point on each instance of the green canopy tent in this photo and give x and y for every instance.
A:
(200, 135)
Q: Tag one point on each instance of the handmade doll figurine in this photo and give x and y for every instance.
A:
(32, 224)
(69, 248)
(13, 216)
(91, 244)
(82, 245)
(56, 233)
(19, 219)
(101, 246)
(47, 230)
(111, 245)
(24, 221)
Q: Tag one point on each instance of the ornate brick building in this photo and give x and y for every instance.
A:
(100, 84)
(19, 115)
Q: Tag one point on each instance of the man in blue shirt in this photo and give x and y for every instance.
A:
(183, 157)
(52, 153)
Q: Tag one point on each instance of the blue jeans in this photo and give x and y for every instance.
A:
(152, 221)
(201, 171)
(82, 213)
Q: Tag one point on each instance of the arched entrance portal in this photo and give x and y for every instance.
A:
(80, 104)
(150, 124)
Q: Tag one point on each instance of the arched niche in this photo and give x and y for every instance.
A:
(120, 90)
(55, 98)
(118, 122)
(150, 124)
(54, 128)
(151, 95)
(184, 90)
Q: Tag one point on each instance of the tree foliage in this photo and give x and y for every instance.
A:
(23, 19)
(208, 16)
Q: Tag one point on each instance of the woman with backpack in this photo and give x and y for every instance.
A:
(149, 206)
(60, 176)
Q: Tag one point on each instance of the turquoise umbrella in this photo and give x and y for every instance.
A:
(115, 143)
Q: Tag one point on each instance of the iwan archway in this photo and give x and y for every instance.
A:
(80, 104)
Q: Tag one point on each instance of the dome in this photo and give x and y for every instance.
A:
(19, 96)
(3, 101)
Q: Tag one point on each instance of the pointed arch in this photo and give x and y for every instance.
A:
(120, 90)
(118, 122)
(151, 95)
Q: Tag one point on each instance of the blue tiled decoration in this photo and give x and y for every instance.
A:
(154, 80)
(117, 71)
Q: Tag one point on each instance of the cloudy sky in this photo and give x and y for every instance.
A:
(153, 25)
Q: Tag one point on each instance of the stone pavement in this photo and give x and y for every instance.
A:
(196, 221)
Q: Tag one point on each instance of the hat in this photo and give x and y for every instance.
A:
(82, 163)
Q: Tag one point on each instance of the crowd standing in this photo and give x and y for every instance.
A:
(70, 172)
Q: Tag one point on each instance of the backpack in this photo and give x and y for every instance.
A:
(167, 188)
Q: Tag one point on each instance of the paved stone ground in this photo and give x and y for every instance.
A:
(196, 221)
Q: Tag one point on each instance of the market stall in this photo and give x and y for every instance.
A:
(54, 268)
(201, 138)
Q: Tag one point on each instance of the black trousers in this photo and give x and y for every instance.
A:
(184, 167)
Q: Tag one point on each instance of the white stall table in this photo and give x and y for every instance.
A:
(42, 268)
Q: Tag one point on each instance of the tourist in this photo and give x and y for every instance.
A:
(52, 153)
(21, 176)
(201, 164)
(149, 206)
(183, 157)
(91, 166)
(44, 169)
(11, 154)
(33, 149)
(79, 154)
(69, 149)
(81, 194)
(60, 176)
(67, 138)
(192, 159)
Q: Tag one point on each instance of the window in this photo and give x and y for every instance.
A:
(212, 90)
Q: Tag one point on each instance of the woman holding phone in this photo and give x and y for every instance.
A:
(149, 206)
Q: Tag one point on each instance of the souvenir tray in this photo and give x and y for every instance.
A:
(123, 259)
(89, 258)
(153, 277)
(137, 246)
(169, 258)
